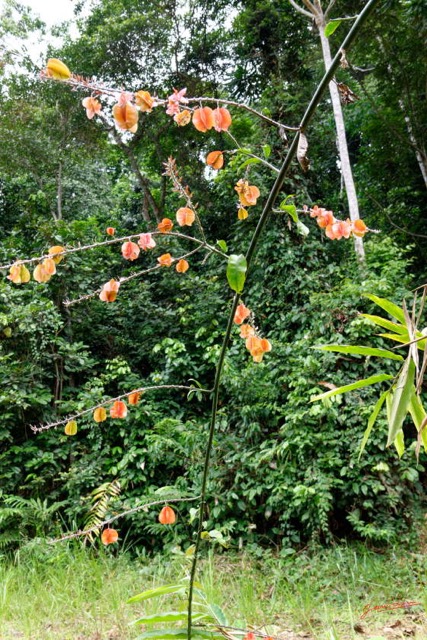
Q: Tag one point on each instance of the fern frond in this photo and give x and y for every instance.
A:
(101, 499)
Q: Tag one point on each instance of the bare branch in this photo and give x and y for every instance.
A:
(58, 423)
(138, 274)
(141, 507)
(309, 14)
(95, 245)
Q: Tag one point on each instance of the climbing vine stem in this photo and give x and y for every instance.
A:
(275, 190)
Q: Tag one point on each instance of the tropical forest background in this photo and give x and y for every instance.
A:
(285, 471)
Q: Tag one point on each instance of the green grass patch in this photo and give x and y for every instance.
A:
(69, 592)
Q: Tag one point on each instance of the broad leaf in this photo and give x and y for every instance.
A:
(222, 245)
(291, 210)
(266, 151)
(155, 593)
(366, 382)
(388, 306)
(402, 394)
(236, 272)
(331, 27)
(302, 229)
(372, 419)
(360, 350)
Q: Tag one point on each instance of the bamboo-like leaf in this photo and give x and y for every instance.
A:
(169, 616)
(402, 394)
(159, 591)
(236, 272)
(396, 337)
(387, 324)
(360, 350)
(390, 307)
(419, 416)
(372, 419)
(366, 382)
(180, 634)
(219, 615)
(399, 443)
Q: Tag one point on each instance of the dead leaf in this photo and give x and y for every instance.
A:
(302, 152)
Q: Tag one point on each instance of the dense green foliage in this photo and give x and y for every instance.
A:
(284, 470)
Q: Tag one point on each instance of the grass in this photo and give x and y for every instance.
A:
(70, 592)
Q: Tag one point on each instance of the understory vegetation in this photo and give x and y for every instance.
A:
(299, 529)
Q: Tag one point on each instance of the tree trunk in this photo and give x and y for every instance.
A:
(346, 171)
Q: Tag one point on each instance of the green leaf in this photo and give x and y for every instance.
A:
(169, 616)
(236, 272)
(222, 245)
(291, 210)
(250, 161)
(219, 615)
(419, 416)
(387, 324)
(302, 229)
(397, 337)
(366, 382)
(401, 399)
(180, 634)
(388, 306)
(155, 593)
(331, 27)
(360, 351)
(372, 419)
(399, 443)
(266, 151)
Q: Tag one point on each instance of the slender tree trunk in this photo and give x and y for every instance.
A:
(314, 10)
(419, 154)
(347, 174)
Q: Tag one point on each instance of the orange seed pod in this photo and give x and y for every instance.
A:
(167, 515)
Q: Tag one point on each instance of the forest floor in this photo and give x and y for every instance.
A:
(318, 594)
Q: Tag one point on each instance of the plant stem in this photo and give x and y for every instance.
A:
(249, 256)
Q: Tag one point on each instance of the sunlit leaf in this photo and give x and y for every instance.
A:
(402, 394)
(419, 416)
(331, 27)
(180, 634)
(387, 324)
(399, 443)
(372, 419)
(236, 272)
(156, 593)
(169, 616)
(360, 350)
(390, 307)
(366, 382)
(266, 150)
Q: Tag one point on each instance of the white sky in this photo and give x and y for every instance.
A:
(52, 11)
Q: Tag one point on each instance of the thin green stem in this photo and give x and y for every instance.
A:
(249, 256)
(208, 454)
